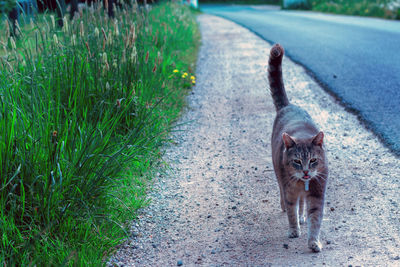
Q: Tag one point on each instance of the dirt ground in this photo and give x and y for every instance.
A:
(218, 205)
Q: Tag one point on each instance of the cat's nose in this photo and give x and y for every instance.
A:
(305, 172)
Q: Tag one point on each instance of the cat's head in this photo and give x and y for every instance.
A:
(305, 158)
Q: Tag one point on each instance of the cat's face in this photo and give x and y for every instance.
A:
(305, 159)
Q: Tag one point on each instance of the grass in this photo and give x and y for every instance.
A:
(389, 9)
(242, 2)
(84, 111)
(379, 8)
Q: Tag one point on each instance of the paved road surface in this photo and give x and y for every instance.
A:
(358, 59)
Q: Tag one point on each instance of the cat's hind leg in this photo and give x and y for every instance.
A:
(282, 198)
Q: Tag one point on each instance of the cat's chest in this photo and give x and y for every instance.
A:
(300, 187)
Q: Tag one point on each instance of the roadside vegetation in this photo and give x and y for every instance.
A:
(389, 9)
(242, 2)
(84, 111)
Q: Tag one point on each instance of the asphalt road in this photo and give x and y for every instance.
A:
(357, 59)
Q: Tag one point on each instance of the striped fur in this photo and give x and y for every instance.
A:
(298, 156)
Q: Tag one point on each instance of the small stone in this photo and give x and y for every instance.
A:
(328, 242)
(179, 263)
(221, 167)
(234, 207)
(332, 208)
(396, 258)
(286, 246)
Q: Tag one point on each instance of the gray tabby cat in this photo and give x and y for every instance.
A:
(298, 156)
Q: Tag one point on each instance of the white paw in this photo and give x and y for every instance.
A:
(314, 245)
(293, 233)
(302, 219)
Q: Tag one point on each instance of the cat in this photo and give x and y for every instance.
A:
(298, 156)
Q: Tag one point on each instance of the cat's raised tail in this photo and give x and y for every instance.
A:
(276, 85)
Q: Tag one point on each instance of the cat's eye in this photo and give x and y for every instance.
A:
(297, 161)
(313, 160)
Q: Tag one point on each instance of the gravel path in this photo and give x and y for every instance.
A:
(219, 203)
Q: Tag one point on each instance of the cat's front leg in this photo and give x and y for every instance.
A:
(291, 203)
(315, 206)
(302, 217)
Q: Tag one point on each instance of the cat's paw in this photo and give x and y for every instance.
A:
(302, 219)
(294, 233)
(314, 245)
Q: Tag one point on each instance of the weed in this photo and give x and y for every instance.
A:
(388, 9)
(83, 113)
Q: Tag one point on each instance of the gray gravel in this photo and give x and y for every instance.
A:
(218, 205)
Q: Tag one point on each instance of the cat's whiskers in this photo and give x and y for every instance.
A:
(321, 176)
(292, 179)
(318, 180)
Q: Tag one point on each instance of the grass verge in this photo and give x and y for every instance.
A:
(242, 2)
(84, 111)
(388, 9)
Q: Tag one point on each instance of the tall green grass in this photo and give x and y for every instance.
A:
(83, 112)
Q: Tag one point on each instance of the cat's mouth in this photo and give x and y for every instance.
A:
(305, 176)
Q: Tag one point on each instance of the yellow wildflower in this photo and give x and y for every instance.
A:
(175, 71)
(192, 78)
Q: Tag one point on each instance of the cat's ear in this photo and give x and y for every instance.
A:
(288, 140)
(319, 139)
